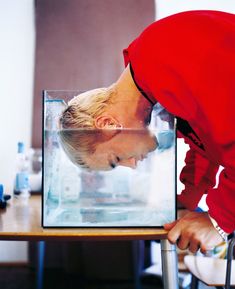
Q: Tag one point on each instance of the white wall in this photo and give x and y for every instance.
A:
(17, 36)
(16, 81)
(168, 7)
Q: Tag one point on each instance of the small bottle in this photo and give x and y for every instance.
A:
(3, 203)
(21, 188)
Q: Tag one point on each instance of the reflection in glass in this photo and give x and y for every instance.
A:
(107, 191)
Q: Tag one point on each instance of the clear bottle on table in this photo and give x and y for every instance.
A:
(21, 186)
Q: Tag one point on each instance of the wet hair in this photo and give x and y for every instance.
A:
(78, 135)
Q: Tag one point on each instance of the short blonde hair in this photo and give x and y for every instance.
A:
(78, 135)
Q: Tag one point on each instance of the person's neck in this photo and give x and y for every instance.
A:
(133, 105)
(126, 88)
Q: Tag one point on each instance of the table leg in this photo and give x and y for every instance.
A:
(138, 256)
(194, 282)
(40, 263)
(169, 265)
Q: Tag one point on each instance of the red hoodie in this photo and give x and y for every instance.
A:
(187, 63)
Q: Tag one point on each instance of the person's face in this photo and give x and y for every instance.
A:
(126, 148)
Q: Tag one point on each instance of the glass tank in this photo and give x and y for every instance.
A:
(127, 178)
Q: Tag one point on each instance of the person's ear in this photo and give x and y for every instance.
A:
(107, 122)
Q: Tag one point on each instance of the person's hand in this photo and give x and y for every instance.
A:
(193, 231)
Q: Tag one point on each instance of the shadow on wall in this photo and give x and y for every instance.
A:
(80, 43)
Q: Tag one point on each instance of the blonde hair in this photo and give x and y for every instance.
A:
(78, 135)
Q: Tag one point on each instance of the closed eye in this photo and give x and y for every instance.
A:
(112, 165)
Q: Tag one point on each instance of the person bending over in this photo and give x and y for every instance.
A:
(185, 62)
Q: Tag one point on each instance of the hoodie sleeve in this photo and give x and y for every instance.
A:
(198, 176)
(221, 201)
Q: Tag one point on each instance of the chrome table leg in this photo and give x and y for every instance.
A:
(169, 265)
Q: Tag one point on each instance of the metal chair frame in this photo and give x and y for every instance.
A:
(231, 244)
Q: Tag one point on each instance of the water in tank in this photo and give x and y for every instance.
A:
(99, 192)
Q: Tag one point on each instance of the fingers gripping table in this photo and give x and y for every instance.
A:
(22, 221)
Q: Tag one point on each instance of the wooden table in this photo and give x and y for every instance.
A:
(21, 220)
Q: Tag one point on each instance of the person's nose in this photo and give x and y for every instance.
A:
(131, 163)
